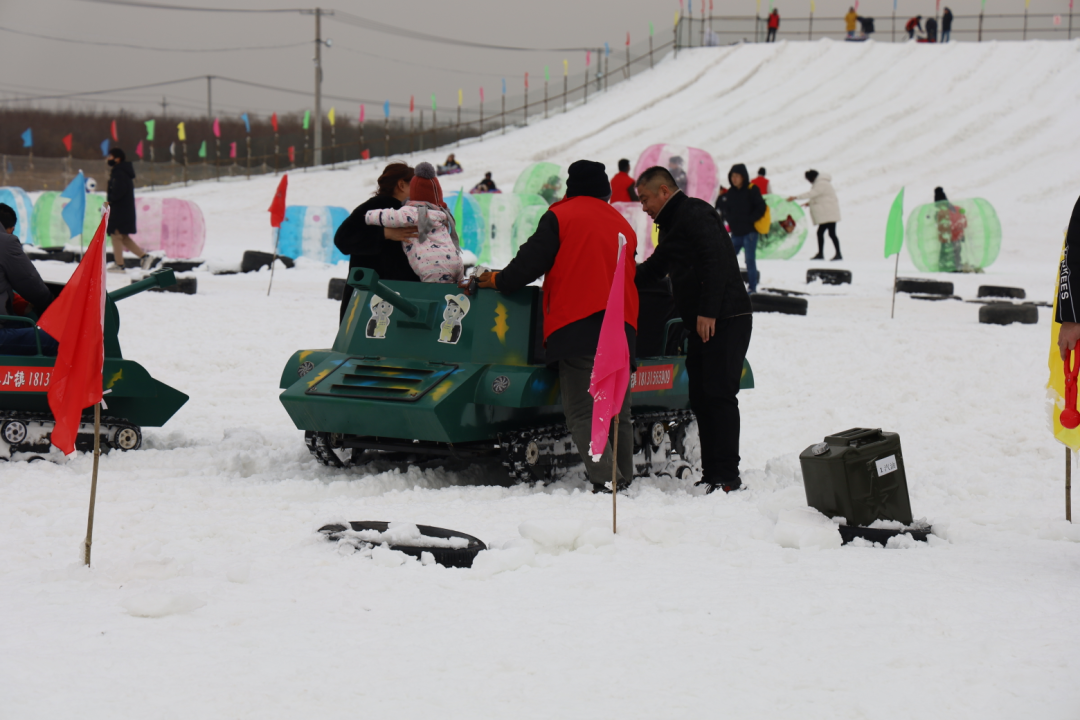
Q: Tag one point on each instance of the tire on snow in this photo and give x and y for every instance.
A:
(336, 290)
(447, 557)
(1008, 313)
(828, 276)
(186, 285)
(255, 260)
(992, 291)
(762, 302)
(923, 286)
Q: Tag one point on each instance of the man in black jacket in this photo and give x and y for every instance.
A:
(742, 206)
(695, 251)
(18, 275)
(121, 197)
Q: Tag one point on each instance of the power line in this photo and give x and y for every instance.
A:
(398, 61)
(164, 6)
(23, 33)
(100, 92)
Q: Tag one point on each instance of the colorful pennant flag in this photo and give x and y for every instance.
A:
(273, 121)
(330, 117)
(202, 149)
(628, 38)
(386, 109)
(139, 150)
(112, 131)
(277, 207)
(361, 113)
(28, 138)
(77, 320)
(412, 103)
(307, 119)
(894, 228)
(67, 141)
(433, 108)
(503, 88)
(526, 81)
(149, 130)
(366, 154)
(292, 154)
(565, 67)
(232, 149)
(217, 128)
(181, 133)
(481, 94)
(547, 75)
(75, 210)
(611, 367)
(105, 147)
(460, 97)
(247, 123)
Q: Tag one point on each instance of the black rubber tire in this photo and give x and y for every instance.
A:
(57, 254)
(336, 289)
(878, 535)
(182, 265)
(762, 302)
(923, 286)
(936, 297)
(447, 557)
(1008, 313)
(133, 442)
(255, 260)
(828, 276)
(1000, 291)
(186, 285)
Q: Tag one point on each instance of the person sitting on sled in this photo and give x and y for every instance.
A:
(450, 167)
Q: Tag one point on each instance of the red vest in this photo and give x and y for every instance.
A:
(761, 184)
(578, 284)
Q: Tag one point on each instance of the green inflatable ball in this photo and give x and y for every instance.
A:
(953, 236)
(49, 228)
(787, 232)
(545, 179)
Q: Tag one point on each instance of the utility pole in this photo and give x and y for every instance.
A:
(319, 42)
(209, 102)
(164, 105)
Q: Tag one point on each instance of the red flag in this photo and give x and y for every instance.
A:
(277, 208)
(217, 128)
(611, 368)
(412, 103)
(77, 320)
(273, 121)
(366, 154)
(139, 150)
(526, 81)
(67, 141)
(628, 39)
(292, 154)
(232, 149)
(113, 129)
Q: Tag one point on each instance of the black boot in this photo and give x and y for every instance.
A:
(819, 256)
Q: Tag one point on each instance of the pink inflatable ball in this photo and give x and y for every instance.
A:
(171, 225)
(694, 169)
(642, 224)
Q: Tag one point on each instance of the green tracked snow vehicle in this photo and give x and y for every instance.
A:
(425, 369)
(134, 399)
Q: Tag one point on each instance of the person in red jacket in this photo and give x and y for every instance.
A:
(761, 182)
(622, 185)
(575, 247)
(774, 25)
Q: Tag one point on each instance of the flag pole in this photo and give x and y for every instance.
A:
(273, 262)
(1068, 483)
(896, 272)
(614, 480)
(93, 485)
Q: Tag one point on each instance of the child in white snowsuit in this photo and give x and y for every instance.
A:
(435, 256)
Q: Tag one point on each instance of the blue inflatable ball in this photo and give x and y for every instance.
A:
(17, 198)
(308, 231)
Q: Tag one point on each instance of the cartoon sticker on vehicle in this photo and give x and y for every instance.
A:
(457, 307)
(380, 318)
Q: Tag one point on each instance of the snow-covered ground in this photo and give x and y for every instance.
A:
(212, 596)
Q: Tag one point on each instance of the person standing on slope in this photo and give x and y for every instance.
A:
(774, 25)
(575, 248)
(951, 224)
(761, 182)
(694, 250)
(850, 21)
(742, 206)
(824, 210)
(946, 25)
(121, 199)
(622, 185)
(1068, 302)
(931, 30)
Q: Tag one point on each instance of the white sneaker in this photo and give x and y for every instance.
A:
(150, 260)
(114, 268)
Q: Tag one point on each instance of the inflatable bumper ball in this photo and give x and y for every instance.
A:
(47, 221)
(693, 169)
(953, 236)
(175, 227)
(468, 220)
(17, 199)
(788, 230)
(545, 179)
(308, 231)
(643, 227)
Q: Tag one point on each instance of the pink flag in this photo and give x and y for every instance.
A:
(588, 57)
(361, 112)
(481, 94)
(217, 128)
(611, 368)
(232, 149)
(139, 150)
(526, 81)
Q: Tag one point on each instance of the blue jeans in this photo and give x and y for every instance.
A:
(748, 241)
(945, 35)
(20, 341)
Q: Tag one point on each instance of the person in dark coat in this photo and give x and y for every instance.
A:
(774, 25)
(913, 25)
(575, 247)
(931, 29)
(1068, 302)
(946, 25)
(376, 247)
(121, 199)
(18, 275)
(695, 251)
(741, 207)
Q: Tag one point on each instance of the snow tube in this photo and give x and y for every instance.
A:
(1001, 292)
(448, 548)
(953, 236)
(545, 179)
(924, 286)
(533, 208)
(47, 224)
(828, 276)
(308, 231)
(764, 302)
(17, 198)
(1004, 313)
(468, 220)
(788, 230)
(642, 224)
(500, 214)
(694, 169)
(171, 225)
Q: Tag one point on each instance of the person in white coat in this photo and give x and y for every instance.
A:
(824, 210)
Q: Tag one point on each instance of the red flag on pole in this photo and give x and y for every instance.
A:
(412, 103)
(273, 121)
(292, 153)
(366, 154)
(611, 368)
(217, 128)
(139, 150)
(67, 141)
(628, 39)
(232, 149)
(113, 130)
(277, 208)
(77, 320)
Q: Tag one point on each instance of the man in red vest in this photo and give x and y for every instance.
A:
(622, 185)
(575, 247)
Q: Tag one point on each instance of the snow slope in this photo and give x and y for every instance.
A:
(212, 597)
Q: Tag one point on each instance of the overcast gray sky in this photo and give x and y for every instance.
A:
(362, 63)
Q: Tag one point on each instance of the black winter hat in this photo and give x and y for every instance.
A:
(588, 178)
(939, 195)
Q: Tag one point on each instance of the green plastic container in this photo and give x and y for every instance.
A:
(859, 475)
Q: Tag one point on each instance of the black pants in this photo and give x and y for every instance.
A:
(575, 375)
(715, 369)
(831, 227)
(771, 35)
